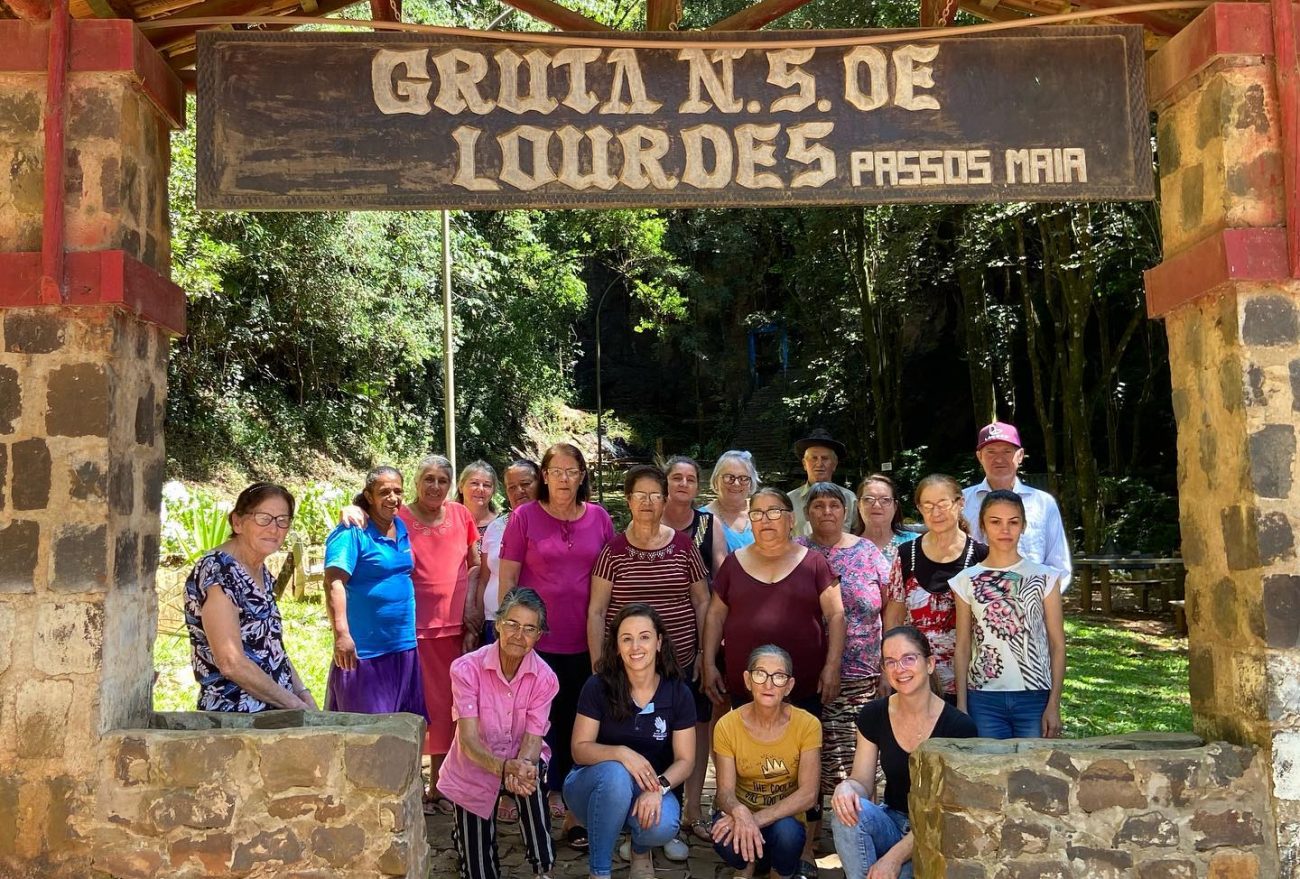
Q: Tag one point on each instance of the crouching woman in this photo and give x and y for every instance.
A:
(501, 701)
(875, 839)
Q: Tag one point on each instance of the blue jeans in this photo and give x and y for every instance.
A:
(782, 845)
(602, 797)
(879, 829)
(1016, 714)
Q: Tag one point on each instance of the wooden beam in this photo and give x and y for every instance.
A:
(999, 13)
(557, 15)
(751, 18)
(662, 15)
(29, 10)
(384, 10)
(1152, 21)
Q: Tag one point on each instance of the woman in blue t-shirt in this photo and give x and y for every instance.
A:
(371, 603)
(633, 742)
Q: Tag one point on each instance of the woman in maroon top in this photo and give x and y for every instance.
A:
(775, 592)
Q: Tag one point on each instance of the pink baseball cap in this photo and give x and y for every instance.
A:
(998, 432)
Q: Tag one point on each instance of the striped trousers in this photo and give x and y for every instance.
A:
(476, 838)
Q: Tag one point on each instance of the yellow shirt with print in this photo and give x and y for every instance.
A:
(766, 772)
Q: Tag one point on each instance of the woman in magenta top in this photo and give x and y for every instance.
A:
(551, 546)
(501, 697)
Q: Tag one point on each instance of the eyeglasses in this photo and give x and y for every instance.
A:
(641, 496)
(566, 472)
(875, 501)
(942, 506)
(264, 519)
(733, 479)
(906, 662)
(510, 627)
(778, 678)
(771, 515)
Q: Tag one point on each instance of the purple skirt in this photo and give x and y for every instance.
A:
(383, 685)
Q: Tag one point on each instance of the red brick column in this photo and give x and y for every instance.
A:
(82, 388)
(1231, 306)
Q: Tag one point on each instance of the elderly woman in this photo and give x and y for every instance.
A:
(475, 489)
(633, 742)
(443, 542)
(768, 760)
(875, 839)
(865, 579)
(236, 634)
(501, 696)
(734, 480)
(523, 478)
(880, 515)
(371, 605)
(921, 596)
(551, 547)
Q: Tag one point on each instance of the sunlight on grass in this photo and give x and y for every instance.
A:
(1117, 680)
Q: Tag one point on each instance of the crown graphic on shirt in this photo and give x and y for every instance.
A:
(773, 766)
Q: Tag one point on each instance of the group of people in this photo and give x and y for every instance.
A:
(570, 672)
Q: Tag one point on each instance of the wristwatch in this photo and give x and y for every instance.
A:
(664, 786)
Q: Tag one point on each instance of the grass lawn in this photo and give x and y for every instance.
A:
(1122, 675)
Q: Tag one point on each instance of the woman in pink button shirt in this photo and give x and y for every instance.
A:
(501, 699)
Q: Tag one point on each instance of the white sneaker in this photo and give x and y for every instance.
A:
(676, 850)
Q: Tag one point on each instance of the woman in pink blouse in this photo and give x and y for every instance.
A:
(501, 698)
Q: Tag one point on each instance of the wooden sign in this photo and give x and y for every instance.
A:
(292, 121)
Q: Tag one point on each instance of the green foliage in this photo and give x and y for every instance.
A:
(1140, 518)
(193, 522)
(318, 509)
(1118, 680)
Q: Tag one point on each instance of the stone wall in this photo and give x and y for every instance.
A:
(285, 793)
(1147, 805)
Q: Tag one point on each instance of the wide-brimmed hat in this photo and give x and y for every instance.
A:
(998, 432)
(820, 437)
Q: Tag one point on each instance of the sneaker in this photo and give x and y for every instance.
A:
(676, 850)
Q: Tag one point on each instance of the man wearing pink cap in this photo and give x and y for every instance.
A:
(999, 452)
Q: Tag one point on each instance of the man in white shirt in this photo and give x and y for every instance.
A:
(1000, 453)
(820, 455)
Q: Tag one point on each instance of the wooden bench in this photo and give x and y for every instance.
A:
(298, 572)
(1147, 575)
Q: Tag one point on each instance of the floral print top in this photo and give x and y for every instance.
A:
(865, 577)
(260, 628)
(1009, 649)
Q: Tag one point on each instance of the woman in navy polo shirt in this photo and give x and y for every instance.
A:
(371, 603)
(633, 742)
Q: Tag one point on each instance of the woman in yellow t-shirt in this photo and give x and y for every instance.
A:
(767, 766)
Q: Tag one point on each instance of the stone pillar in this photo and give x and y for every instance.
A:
(1232, 313)
(82, 387)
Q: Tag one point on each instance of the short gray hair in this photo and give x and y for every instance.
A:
(428, 462)
(734, 456)
(770, 650)
(821, 490)
(522, 596)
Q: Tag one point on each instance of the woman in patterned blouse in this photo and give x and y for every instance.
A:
(235, 628)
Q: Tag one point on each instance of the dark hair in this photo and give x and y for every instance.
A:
(618, 691)
(821, 490)
(769, 491)
(896, 524)
(527, 465)
(677, 460)
(254, 495)
(922, 643)
(371, 478)
(644, 471)
(1001, 496)
(948, 482)
(584, 487)
(528, 599)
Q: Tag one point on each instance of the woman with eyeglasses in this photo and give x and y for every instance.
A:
(880, 515)
(551, 546)
(370, 598)
(922, 597)
(501, 695)
(734, 481)
(874, 840)
(767, 765)
(652, 564)
(633, 743)
(523, 479)
(236, 634)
